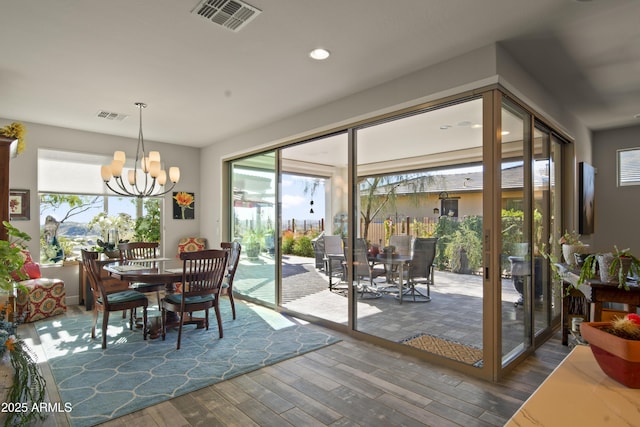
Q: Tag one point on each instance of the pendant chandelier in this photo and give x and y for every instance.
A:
(146, 173)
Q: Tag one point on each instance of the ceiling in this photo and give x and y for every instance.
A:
(64, 61)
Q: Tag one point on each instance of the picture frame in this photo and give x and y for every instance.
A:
(586, 201)
(184, 205)
(19, 204)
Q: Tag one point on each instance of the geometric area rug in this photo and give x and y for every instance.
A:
(132, 374)
(449, 349)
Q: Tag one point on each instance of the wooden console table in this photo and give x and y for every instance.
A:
(596, 293)
(578, 393)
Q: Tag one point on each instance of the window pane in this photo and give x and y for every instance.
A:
(629, 167)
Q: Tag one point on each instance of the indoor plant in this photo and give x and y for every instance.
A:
(616, 347)
(28, 386)
(571, 244)
(613, 267)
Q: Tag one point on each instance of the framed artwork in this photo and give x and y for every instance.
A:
(586, 199)
(184, 205)
(19, 205)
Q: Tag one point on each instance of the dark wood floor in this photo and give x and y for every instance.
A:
(351, 383)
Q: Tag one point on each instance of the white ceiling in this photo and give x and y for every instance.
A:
(62, 61)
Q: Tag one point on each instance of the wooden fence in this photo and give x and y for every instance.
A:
(414, 227)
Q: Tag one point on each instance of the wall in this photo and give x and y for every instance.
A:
(23, 175)
(473, 70)
(616, 208)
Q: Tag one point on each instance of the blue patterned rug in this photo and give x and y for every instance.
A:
(132, 374)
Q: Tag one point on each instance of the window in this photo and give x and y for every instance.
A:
(629, 167)
(76, 210)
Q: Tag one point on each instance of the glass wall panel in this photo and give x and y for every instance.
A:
(418, 253)
(253, 223)
(516, 252)
(314, 204)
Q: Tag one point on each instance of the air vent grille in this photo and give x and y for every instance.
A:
(230, 14)
(102, 114)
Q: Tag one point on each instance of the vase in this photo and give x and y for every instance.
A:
(620, 360)
(569, 250)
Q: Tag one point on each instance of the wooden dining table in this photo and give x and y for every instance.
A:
(165, 271)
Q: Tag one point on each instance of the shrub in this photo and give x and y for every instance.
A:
(287, 242)
(303, 247)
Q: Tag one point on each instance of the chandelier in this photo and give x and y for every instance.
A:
(146, 173)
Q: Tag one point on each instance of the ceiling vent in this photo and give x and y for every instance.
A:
(231, 14)
(111, 116)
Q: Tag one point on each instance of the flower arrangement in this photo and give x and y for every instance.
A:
(15, 130)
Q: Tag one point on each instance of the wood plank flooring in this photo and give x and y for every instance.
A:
(350, 383)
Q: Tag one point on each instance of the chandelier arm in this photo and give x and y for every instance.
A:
(116, 191)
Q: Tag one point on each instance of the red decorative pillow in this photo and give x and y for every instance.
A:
(32, 270)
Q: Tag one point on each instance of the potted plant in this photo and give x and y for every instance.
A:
(571, 244)
(613, 267)
(252, 244)
(616, 347)
(27, 385)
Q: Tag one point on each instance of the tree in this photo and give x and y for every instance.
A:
(77, 204)
(380, 192)
(147, 228)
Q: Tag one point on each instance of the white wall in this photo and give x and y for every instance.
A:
(470, 71)
(616, 208)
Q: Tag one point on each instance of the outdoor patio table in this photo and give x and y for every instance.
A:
(398, 260)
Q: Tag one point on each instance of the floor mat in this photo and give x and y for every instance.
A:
(446, 348)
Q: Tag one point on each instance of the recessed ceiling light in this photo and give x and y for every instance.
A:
(319, 54)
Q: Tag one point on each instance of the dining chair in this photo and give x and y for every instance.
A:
(234, 249)
(421, 269)
(107, 302)
(362, 270)
(202, 275)
(333, 258)
(402, 246)
(132, 251)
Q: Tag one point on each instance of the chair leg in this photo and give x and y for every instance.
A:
(180, 330)
(105, 323)
(163, 322)
(95, 321)
(233, 306)
(144, 322)
(216, 307)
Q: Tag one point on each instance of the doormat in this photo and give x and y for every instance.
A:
(445, 348)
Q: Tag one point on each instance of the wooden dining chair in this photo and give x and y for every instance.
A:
(234, 249)
(202, 275)
(140, 251)
(107, 302)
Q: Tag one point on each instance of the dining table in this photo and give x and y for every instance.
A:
(391, 260)
(163, 271)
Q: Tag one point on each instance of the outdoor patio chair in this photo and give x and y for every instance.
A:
(364, 273)
(402, 246)
(420, 271)
(333, 257)
(234, 249)
(107, 302)
(202, 275)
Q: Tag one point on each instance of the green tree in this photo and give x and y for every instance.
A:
(147, 227)
(77, 204)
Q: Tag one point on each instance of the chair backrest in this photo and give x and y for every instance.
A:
(234, 249)
(332, 244)
(402, 244)
(361, 267)
(424, 252)
(89, 259)
(138, 250)
(203, 271)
